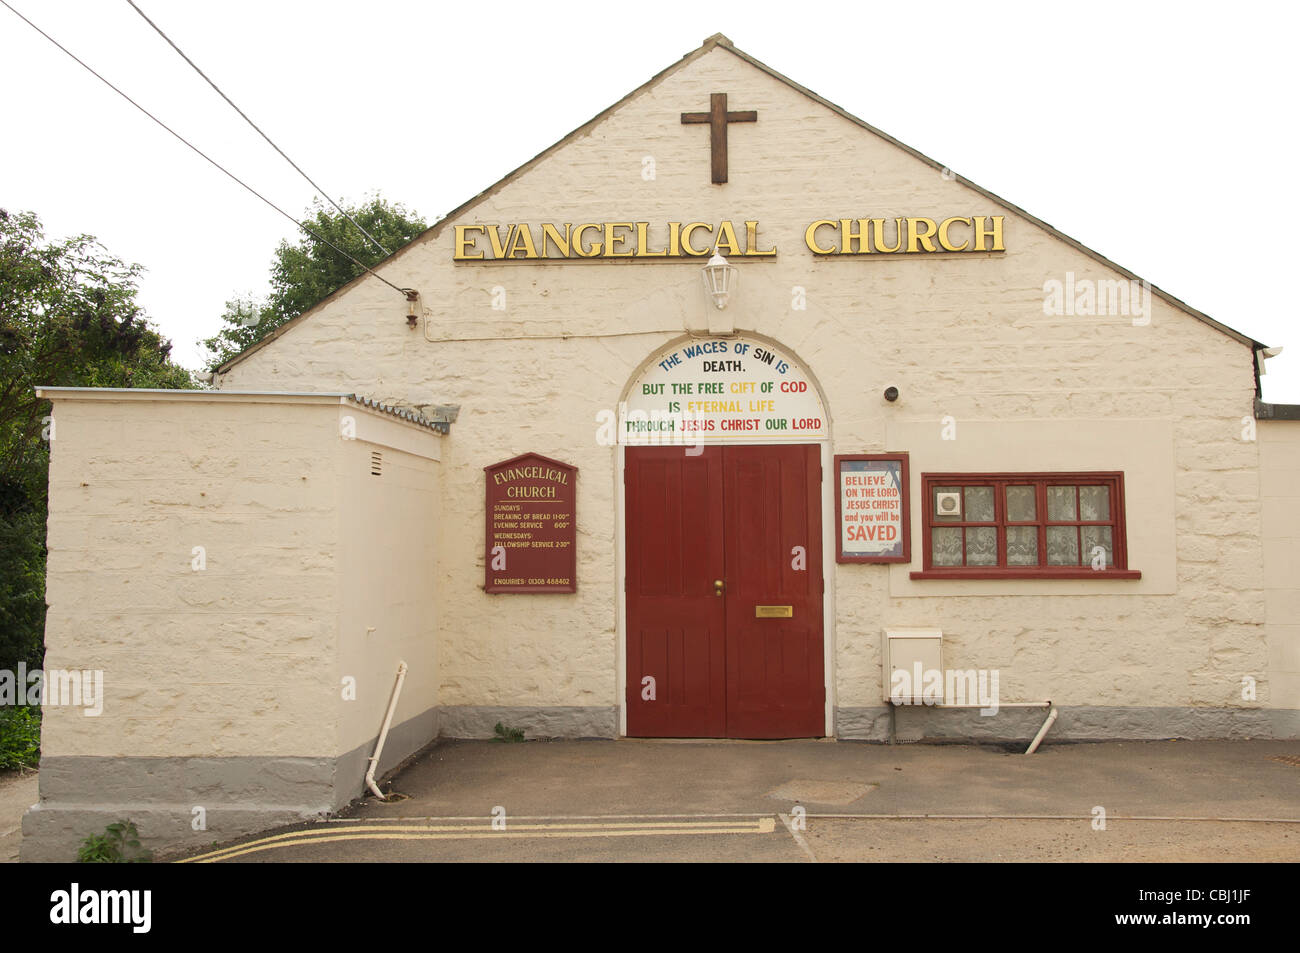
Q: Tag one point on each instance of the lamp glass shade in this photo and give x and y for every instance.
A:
(720, 280)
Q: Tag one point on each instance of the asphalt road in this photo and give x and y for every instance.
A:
(803, 801)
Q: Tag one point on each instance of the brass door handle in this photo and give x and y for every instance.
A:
(718, 586)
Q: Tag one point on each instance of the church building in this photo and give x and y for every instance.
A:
(727, 416)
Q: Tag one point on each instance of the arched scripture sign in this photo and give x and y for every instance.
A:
(711, 390)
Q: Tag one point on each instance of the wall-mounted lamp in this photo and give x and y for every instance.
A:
(720, 280)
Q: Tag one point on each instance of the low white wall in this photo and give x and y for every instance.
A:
(219, 558)
(193, 559)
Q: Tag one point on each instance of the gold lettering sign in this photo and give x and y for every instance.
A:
(635, 240)
(644, 241)
(905, 235)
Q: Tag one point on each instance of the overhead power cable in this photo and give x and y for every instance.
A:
(406, 292)
(181, 52)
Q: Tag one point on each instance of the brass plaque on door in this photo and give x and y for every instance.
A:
(773, 612)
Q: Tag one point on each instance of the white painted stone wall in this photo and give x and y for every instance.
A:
(229, 660)
(965, 336)
(388, 586)
(1279, 451)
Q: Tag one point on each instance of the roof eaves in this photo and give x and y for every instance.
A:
(438, 424)
(1266, 411)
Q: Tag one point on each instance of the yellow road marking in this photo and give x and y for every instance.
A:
(479, 818)
(450, 828)
(762, 825)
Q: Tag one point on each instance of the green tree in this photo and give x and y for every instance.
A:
(304, 273)
(68, 317)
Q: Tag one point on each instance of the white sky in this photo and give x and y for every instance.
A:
(1163, 136)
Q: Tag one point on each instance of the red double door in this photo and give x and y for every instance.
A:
(724, 592)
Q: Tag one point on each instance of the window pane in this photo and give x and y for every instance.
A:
(1060, 505)
(979, 504)
(1062, 544)
(944, 514)
(1021, 506)
(1094, 502)
(982, 545)
(1094, 536)
(945, 546)
(1022, 545)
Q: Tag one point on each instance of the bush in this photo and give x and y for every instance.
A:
(22, 578)
(20, 736)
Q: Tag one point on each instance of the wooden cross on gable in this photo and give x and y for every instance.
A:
(717, 117)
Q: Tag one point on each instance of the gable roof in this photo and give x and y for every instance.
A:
(713, 42)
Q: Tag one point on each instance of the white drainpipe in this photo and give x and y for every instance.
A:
(1042, 732)
(383, 732)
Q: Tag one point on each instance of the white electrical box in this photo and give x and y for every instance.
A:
(913, 658)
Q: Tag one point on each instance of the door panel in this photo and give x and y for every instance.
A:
(736, 514)
(676, 628)
(775, 673)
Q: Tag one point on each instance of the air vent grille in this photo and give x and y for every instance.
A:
(376, 463)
